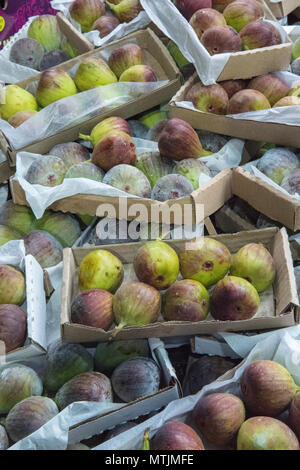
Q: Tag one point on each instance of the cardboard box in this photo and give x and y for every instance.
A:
(156, 55)
(282, 8)
(242, 128)
(277, 309)
(229, 221)
(266, 199)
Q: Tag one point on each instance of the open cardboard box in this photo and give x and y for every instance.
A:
(266, 199)
(156, 55)
(281, 134)
(278, 306)
(283, 7)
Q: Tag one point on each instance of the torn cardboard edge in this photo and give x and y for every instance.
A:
(282, 8)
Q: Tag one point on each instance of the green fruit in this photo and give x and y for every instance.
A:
(92, 73)
(100, 269)
(192, 169)
(68, 48)
(64, 227)
(54, 84)
(18, 218)
(106, 127)
(12, 285)
(7, 234)
(177, 55)
(110, 355)
(154, 166)
(186, 300)
(296, 49)
(86, 12)
(45, 30)
(15, 99)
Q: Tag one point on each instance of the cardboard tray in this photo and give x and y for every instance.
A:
(278, 308)
(242, 128)
(266, 199)
(282, 8)
(165, 68)
(75, 38)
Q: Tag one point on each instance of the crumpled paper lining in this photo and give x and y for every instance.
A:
(293, 31)
(282, 346)
(123, 29)
(74, 110)
(170, 21)
(40, 197)
(288, 115)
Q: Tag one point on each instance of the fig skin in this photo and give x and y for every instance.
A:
(173, 186)
(13, 326)
(125, 57)
(294, 415)
(27, 52)
(186, 300)
(93, 308)
(105, 25)
(233, 86)
(86, 12)
(218, 417)
(273, 87)
(116, 148)
(179, 141)
(278, 163)
(206, 18)
(105, 127)
(220, 39)
(93, 72)
(45, 248)
(138, 73)
(291, 182)
(100, 269)
(129, 179)
(209, 99)
(247, 100)
(267, 388)
(49, 171)
(54, 84)
(242, 12)
(70, 153)
(174, 435)
(259, 34)
(192, 169)
(4, 441)
(110, 355)
(12, 285)
(17, 119)
(188, 7)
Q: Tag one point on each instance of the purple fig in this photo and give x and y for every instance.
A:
(93, 308)
(174, 435)
(185, 300)
(12, 285)
(86, 12)
(13, 326)
(125, 57)
(44, 247)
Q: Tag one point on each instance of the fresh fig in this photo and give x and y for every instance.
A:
(125, 57)
(185, 300)
(13, 326)
(138, 73)
(154, 166)
(126, 10)
(86, 12)
(179, 141)
(105, 127)
(206, 18)
(45, 30)
(17, 119)
(172, 187)
(174, 435)
(27, 52)
(108, 356)
(259, 34)
(16, 99)
(100, 269)
(18, 218)
(93, 308)
(188, 7)
(129, 179)
(54, 84)
(277, 163)
(115, 149)
(12, 285)
(70, 153)
(92, 73)
(47, 171)
(192, 169)
(52, 59)
(64, 227)
(105, 25)
(7, 234)
(85, 170)
(44, 247)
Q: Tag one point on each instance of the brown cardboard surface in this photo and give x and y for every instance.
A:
(283, 8)
(266, 199)
(251, 130)
(156, 54)
(228, 221)
(6, 171)
(275, 312)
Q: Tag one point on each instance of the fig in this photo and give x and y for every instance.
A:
(192, 169)
(210, 98)
(293, 420)
(154, 166)
(17, 119)
(177, 55)
(68, 48)
(291, 182)
(119, 430)
(204, 260)
(156, 130)
(128, 179)
(267, 388)
(93, 308)
(63, 362)
(125, 57)
(28, 416)
(174, 435)
(92, 73)
(86, 12)
(220, 5)
(13, 326)
(115, 149)
(18, 218)
(85, 170)
(44, 247)
(179, 141)
(105, 127)
(264, 433)
(100, 269)
(156, 263)
(206, 18)
(273, 87)
(70, 153)
(288, 101)
(77, 447)
(46, 171)
(241, 12)
(188, 7)
(18, 382)
(12, 285)
(90, 386)
(218, 417)
(185, 300)
(207, 369)
(254, 263)
(172, 187)
(108, 356)
(138, 73)
(27, 52)
(277, 163)
(45, 30)
(259, 34)
(212, 142)
(105, 25)
(295, 91)
(126, 10)
(151, 118)
(4, 441)
(52, 59)
(7, 235)
(16, 99)
(296, 49)
(220, 39)
(234, 298)
(54, 84)
(136, 378)
(245, 101)
(64, 227)
(233, 86)
(136, 304)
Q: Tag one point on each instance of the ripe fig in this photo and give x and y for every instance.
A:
(242, 12)
(219, 39)
(128, 179)
(52, 59)
(138, 73)
(86, 12)
(115, 149)
(185, 300)
(44, 247)
(154, 166)
(220, 5)
(136, 378)
(64, 227)
(277, 163)
(90, 386)
(16, 217)
(110, 355)
(245, 101)
(125, 57)
(291, 182)
(12, 285)
(92, 73)
(218, 417)
(234, 298)
(4, 441)
(209, 99)
(264, 433)
(13, 326)
(177, 55)
(27, 52)
(28, 416)
(93, 308)
(172, 187)
(206, 18)
(105, 127)
(63, 362)
(100, 269)
(105, 25)
(233, 86)
(126, 10)
(179, 141)
(273, 87)
(204, 260)
(188, 7)
(259, 34)
(45, 30)
(54, 84)
(288, 101)
(207, 369)
(18, 382)
(69, 48)
(212, 142)
(294, 417)
(46, 171)
(267, 388)
(174, 435)
(156, 263)
(7, 235)
(70, 153)
(17, 119)
(156, 130)
(16, 99)
(296, 49)
(192, 169)
(85, 170)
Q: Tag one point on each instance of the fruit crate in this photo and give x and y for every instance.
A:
(282, 134)
(282, 8)
(278, 306)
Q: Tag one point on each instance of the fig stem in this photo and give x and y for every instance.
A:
(116, 330)
(85, 137)
(146, 442)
